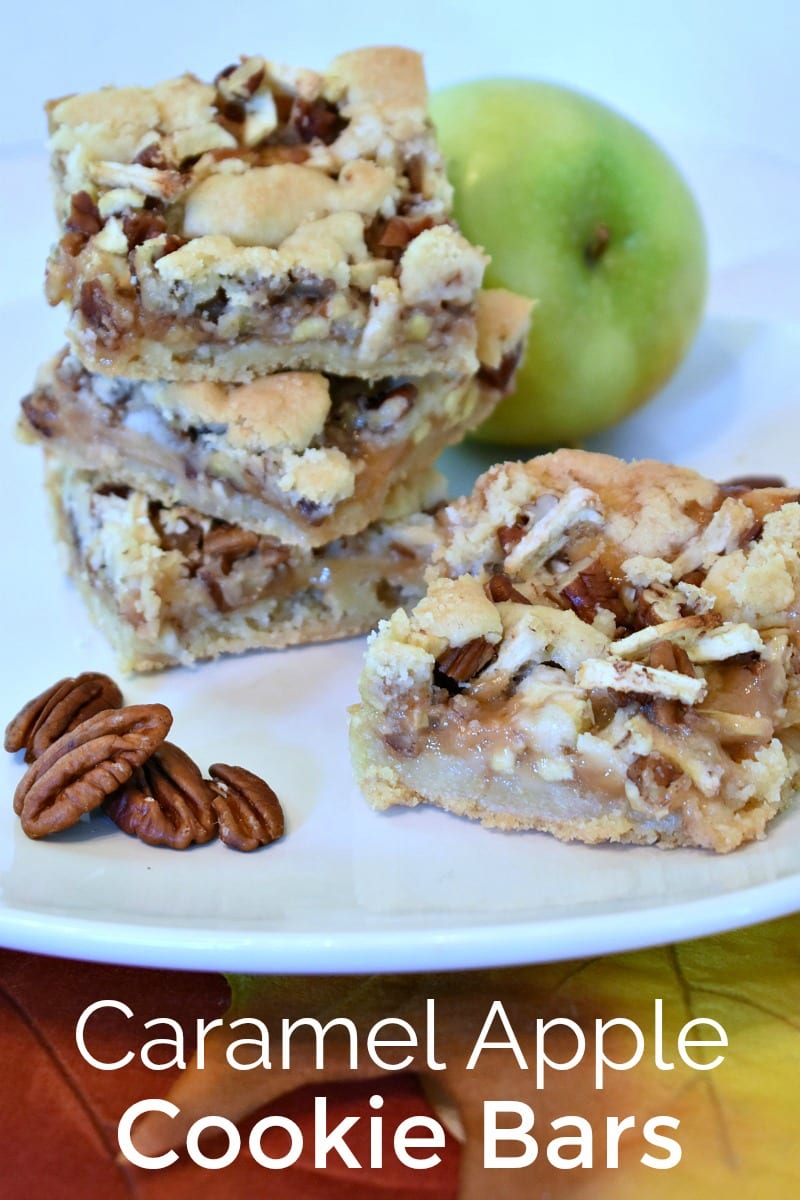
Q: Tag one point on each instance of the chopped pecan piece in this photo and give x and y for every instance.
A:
(172, 242)
(270, 154)
(84, 218)
(58, 710)
(227, 543)
(98, 310)
(697, 513)
(311, 287)
(669, 713)
(605, 704)
(751, 534)
(82, 223)
(153, 156)
(459, 664)
(645, 603)
(403, 742)
(500, 589)
(415, 173)
(248, 811)
(388, 237)
(317, 120)
(166, 802)
(211, 579)
(141, 226)
(653, 769)
(374, 408)
(670, 657)
(511, 535)
(212, 310)
(84, 766)
(591, 590)
(499, 377)
(233, 93)
(42, 412)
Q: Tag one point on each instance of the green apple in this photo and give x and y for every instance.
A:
(584, 213)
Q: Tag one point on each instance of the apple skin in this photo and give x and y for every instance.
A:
(584, 213)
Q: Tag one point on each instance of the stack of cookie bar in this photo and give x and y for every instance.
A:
(275, 328)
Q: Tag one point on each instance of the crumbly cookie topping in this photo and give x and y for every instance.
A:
(274, 204)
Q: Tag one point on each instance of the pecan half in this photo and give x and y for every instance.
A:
(459, 664)
(58, 710)
(166, 802)
(84, 766)
(591, 590)
(500, 588)
(248, 811)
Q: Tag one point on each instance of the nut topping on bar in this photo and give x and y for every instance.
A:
(459, 664)
(631, 673)
(273, 219)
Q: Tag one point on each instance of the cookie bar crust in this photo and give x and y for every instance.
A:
(169, 586)
(606, 652)
(273, 219)
(299, 456)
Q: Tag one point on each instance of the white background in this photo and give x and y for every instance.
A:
(723, 66)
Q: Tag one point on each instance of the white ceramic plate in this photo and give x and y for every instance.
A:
(349, 889)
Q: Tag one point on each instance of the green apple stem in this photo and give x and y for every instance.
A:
(597, 245)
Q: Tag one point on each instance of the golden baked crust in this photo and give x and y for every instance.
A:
(169, 585)
(607, 652)
(299, 456)
(274, 219)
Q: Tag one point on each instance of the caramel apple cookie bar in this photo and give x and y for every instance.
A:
(298, 456)
(606, 652)
(275, 219)
(169, 585)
